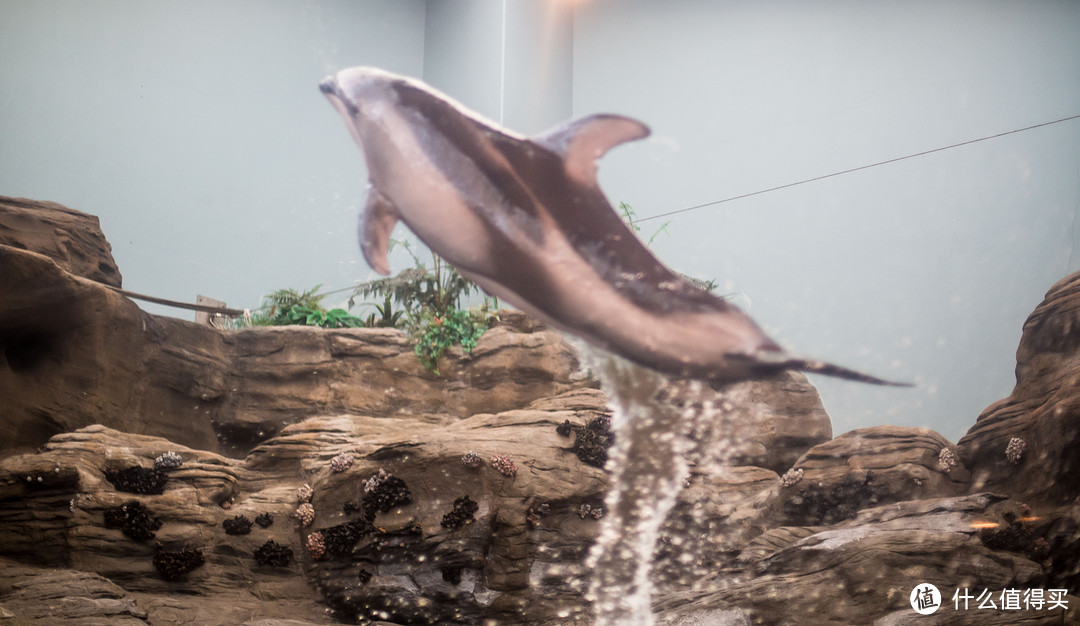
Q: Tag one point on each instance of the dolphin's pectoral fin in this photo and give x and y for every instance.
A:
(581, 142)
(379, 218)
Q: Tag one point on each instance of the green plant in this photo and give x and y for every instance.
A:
(289, 306)
(437, 334)
(278, 307)
(387, 318)
(419, 289)
(430, 307)
(630, 215)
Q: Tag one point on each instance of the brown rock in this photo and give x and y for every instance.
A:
(770, 423)
(864, 569)
(32, 595)
(73, 239)
(1041, 412)
(869, 467)
(74, 353)
(100, 386)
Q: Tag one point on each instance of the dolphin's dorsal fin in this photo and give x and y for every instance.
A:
(581, 142)
(379, 218)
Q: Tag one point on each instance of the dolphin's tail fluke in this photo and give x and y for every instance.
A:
(768, 361)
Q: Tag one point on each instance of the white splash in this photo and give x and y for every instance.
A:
(655, 428)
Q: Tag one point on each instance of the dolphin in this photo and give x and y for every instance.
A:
(525, 218)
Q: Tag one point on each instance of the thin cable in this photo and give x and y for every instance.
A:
(856, 169)
(801, 182)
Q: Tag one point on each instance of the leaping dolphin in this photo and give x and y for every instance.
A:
(526, 220)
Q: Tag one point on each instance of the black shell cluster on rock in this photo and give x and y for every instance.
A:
(592, 441)
(264, 520)
(339, 540)
(274, 554)
(173, 564)
(464, 510)
(389, 493)
(451, 575)
(239, 525)
(137, 479)
(1015, 536)
(824, 506)
(135, 520)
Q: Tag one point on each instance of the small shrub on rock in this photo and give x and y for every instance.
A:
(264, 520)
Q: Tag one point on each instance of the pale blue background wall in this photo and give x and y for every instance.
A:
(195, 131)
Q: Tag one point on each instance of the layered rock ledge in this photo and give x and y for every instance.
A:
(394, 496)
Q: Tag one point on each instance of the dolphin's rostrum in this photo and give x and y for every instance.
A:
(524, 217)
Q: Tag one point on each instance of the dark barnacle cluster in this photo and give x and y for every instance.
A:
(1015, 536)
(137, 479)
(452, 575)
(173, 564)
(274, 554)
(239, 525)
(592, 441)
(820, 506)
(464, 510)
(383, 492)
(350, 507)
(264, 520)
(363, 576)
(135, 520)
(339, 540)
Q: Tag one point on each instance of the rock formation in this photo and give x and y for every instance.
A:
(160, 472)
(73, 239)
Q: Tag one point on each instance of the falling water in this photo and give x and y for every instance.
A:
(658, 426)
